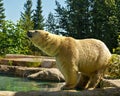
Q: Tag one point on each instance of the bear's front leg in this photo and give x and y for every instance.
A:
(71, 78)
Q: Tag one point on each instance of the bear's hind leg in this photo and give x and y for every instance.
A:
(94, 80)
(83, 80)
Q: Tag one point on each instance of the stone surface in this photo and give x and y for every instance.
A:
(25, 71)
(110, 83)
(28, 60)
(52, 74)
(48, 63)
(44, 74)
(96, 92)
(7, 93)
(18, 70)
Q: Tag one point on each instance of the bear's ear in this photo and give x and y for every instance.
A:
(47, 34)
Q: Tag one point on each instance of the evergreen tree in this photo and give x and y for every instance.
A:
(74, 17)
(104, 22)
(26, 19)
(51, 24)
(38, 18)
(2, 14)
(90, 18)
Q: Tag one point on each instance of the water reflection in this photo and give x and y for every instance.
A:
(8, 83)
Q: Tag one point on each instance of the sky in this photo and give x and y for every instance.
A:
(13, 8)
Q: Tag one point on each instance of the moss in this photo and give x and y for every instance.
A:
(33, 64)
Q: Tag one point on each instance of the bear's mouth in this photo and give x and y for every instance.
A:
(29, 34)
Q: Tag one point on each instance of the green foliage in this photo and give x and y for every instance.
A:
(117, 50)
(26, 20)
(90, 19)
(2, 14)
(13, 39)
(37, 17)
(113, 70)
(51, 24)
(74, 18)
(105, 23)
(110, 2)
(29, 21)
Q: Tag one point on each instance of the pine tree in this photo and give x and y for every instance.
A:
(105, 22)
(38, 18)
(51, 24)
(90, 19)
(2, 14)
(26, 20)
(73, 18)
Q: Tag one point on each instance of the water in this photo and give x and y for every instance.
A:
(8, 83)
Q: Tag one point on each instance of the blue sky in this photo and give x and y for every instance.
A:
(13, 8)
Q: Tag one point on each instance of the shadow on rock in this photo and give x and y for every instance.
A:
(96, 92)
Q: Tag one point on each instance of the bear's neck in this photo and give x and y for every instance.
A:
(52, 45)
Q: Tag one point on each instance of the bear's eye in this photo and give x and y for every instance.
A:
(35, 31)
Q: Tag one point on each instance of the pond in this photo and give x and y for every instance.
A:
(8, 83)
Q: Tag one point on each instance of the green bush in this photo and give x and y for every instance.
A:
(113, 70)
(13, 39)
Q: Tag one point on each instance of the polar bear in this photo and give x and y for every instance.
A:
(89, 57)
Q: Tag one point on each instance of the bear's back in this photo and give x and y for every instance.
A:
(93, 54)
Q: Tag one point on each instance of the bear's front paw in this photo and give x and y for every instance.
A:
(67, 87)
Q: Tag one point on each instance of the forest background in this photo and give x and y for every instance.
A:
(80, 19)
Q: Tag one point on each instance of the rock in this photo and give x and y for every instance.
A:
(96, 92)
(28, 61)
(110, 83)
(47, 74)
(7, 93)
(48, 63)
(52, 74)
(18, 70)
(9, 70)
(25, 71)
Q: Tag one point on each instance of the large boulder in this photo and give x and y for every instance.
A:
(44, 74)
(52, 74)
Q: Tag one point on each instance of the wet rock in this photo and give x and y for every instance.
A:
(47, 74)
(18, 70)
(52, 74)
(8, 70)
(25, 71)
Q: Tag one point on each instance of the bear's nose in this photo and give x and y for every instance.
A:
(29, 34)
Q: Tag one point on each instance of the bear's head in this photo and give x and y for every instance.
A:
(38, 36)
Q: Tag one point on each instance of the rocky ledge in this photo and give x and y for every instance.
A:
(43, 74)
(48, 70)
(96, 92)
(47, 74)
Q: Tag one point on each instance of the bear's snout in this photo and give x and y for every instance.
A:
(29, 34)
